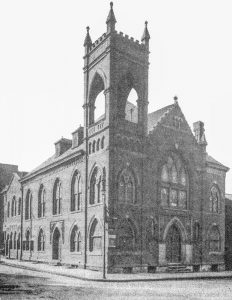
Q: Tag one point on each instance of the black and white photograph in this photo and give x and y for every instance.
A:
(115, 156)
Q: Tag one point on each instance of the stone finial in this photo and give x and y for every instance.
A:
(88, 41)
(111, 20)
(175, 100)
(146, 36)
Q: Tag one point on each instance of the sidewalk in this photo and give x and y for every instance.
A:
(89, 275)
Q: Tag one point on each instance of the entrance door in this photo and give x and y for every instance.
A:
(173, 245)
(56, 244)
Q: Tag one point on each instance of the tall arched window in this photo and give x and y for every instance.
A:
(41, 240)
(19, 206)
(125, 236)
(18, 242)
(28, 205)
(128, 99)
(27, 240)
(103, 142)
(75, 240)
(13, 207)
(15, 240)
(95, 237)
(41, 202)
(173, 183)
(76, 192)
(126, 187)
(96, 100)
(57, 197)
(214, 240)
(8, 209)
(214, 199)
(98, 144)
(95, 187)
(11, 241)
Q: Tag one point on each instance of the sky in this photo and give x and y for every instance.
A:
(41, 68)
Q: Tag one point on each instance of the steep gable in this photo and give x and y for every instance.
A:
(170, 116)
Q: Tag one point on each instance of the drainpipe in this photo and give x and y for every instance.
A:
(21, 229)
(86, 156)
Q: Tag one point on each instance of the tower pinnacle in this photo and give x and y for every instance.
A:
(111, 20)
(146, 36)
(88, 41)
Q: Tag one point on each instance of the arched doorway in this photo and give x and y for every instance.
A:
(173, 245)
(56, 244)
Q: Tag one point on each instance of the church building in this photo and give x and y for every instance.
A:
(132, 191)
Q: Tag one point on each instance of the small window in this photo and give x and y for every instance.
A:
(98, 144)
(76, 192)
(75, 240)
(90, 148)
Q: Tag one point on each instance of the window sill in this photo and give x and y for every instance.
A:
(215, 253)
(41, 251)
(75, 253)
(95, 204)
(41, 218)
(75, 211)
(95, 253)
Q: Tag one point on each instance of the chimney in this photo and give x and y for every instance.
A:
(78, 136)
(62, 146)
(199, 131)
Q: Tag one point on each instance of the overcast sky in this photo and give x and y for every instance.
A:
(41, 60)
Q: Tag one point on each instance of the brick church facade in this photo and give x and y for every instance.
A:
(132, 191)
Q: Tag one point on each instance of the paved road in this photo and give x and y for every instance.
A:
(24, 284)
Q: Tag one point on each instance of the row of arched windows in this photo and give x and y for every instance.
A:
(96, 145)
(15, 207)
(95, 194)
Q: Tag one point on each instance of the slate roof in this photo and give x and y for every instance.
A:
(53, 159)
(155, 117)
(213, 161)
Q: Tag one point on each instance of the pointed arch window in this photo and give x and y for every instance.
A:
(103, 142)
(19, 242)
(41, 240)
(28, 205)
(98, 144)
(214, 199)
(95, 237)
(27, 240)
(96, 100)
(57, 197)
(214, 240)
(126, 187)
(76, 192)
(19, 206)
(95, 187)
(41, 202)
(75, 240)
(8, 209)
(15, 240)
(13, 207)
(125, 236)
(174, 183)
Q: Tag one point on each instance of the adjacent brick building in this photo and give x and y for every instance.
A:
(131, 191)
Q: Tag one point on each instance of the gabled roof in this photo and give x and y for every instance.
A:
(155, 117)
(53, 160)
(214, 163)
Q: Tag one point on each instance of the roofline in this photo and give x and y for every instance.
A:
(51, 166)
(217, 166)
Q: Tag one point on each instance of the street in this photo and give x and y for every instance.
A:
(16, 283)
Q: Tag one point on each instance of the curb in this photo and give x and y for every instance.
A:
(201, 277)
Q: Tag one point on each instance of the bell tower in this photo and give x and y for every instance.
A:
(115, 64)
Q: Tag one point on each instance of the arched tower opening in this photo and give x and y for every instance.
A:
(96, 100)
